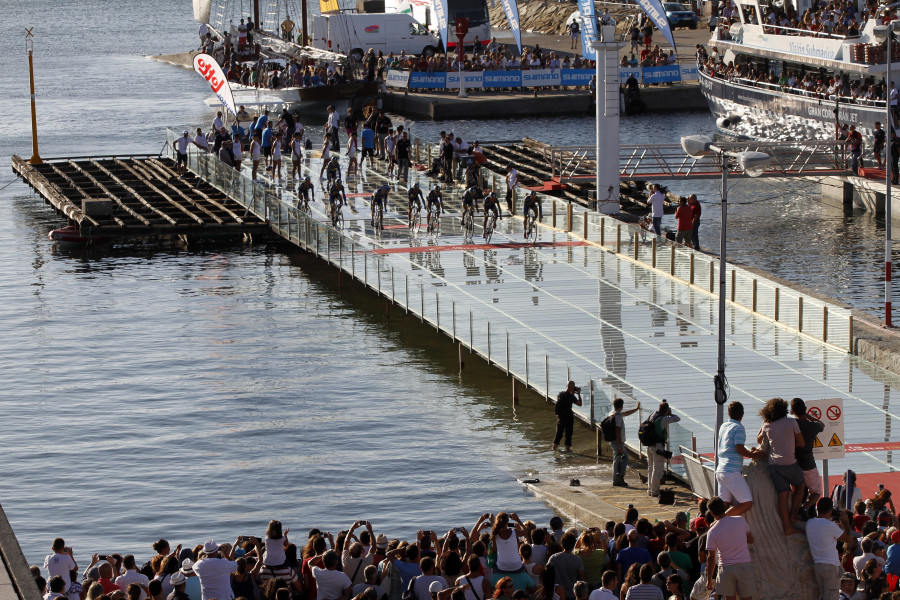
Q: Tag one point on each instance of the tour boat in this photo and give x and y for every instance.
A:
(763, 110)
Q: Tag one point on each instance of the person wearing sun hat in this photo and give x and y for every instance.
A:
(192, 585)
(178, 580)
(214, 573)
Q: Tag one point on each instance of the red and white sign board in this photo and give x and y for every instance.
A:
(830, 443)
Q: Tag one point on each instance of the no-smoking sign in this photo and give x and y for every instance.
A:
(830, 443)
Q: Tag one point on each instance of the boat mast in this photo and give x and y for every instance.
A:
(303, 38)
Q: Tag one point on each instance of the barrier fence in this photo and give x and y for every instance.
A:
(416, 80)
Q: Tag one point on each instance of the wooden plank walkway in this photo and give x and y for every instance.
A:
(148, 198)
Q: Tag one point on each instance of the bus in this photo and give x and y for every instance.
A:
(423, 11)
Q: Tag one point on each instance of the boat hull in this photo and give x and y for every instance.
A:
(765, 114)
(309, 99)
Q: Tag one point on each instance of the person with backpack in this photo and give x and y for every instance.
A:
(565, 418)
(613, 428)
(653, 433)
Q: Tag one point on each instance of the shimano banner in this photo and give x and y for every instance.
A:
(420, 81)
(654, 10)
(511, 8)
(440, 12)
(588, 28)
(502, 79)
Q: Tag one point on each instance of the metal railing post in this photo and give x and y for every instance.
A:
(553, 216)
(754, 296)
(602, 231)
(489, 342)
(672, 261)
(406, 284)
(526, 364)
(712, 278)
(825, 323)
(453, 317)
(653, 253)
(593, 422)
(733, 283)
(547, 377)
(800, 314)
(507, 351)
(471, 334)
(422, 301)
(777, 302)
(618, 238)
(437, 307)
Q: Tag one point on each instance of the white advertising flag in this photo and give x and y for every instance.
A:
(207, 66)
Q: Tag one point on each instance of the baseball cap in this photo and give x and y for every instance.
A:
(700, 523)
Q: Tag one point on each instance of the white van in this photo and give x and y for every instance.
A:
(354, 33)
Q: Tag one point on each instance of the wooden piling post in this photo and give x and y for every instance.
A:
(602, 231)
(753, 300)
(584, 224)
(672, 260)
(653, 253)
(568, 216)
(777, 302)
(712, 278)
(691, 271)
(553, 217)
(800, 314)
(618, 238)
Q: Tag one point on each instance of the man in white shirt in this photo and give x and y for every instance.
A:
(657, 205)
(512, 182)
(217, 123)
(859, 563)
(200, 141)
(823, 534)
(620, 455)
(729, 539)
(214, 573)
(181, 150)
(331, 584)
(610, 583)
(61, 562)
(132, 575)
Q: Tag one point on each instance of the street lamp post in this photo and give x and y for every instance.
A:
(752, 164)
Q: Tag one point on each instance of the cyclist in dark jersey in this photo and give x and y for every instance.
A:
(472, 194)
(533, 203)
(380, 197)
(305, 190)
(336, 196)
(415, 197)
(434, 197)
(491, 203)
(333, 171)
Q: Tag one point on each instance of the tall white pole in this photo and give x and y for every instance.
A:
(719, 380)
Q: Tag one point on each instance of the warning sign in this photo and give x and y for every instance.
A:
(831, 413)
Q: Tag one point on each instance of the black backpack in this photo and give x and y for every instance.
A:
(608, 428)
(649, 433)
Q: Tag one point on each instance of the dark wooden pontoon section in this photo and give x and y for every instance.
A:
(135, 197)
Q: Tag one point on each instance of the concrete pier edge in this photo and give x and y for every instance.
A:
(16, 582)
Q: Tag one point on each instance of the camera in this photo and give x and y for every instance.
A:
(665, 454)
(103, 557)
(578, 389)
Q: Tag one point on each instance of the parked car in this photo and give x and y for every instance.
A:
(680, 15)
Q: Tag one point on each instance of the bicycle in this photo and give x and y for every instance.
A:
(303, 203)
(378, 217)
(337, 214)
(433, 220)
(468, 223)
(415, 215)
(489, 227)
(530, 227)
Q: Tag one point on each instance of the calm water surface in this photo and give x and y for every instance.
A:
(199, 392)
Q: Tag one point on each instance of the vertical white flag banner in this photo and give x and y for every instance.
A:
(657, 14)
(588, 28)
(511, 8)
(440, 12)
(207, 66)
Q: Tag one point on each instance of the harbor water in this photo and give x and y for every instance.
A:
(194, 392)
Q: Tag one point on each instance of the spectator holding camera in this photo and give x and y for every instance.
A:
(565, 418)
(657, 455)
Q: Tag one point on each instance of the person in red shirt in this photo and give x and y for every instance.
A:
(695, 211)
(106, 574)
(685, 218)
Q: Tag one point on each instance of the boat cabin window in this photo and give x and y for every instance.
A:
(749, 14)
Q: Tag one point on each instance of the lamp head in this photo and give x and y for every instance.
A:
(696, 145)
(753, 163)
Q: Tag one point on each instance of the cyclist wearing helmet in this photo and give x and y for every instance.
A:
(415, 197)
(472, 194)
(533, 203)
(491, 203)
(305, 191)
(380, 198)
(336, 197)
(434, 197)
(333, 170)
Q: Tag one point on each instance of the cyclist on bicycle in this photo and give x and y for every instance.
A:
(336, 196)
(492, 204)
(472, 194)
(415, 197)
(533, 203)
(305, 190)
(434, 197)
(380, 198)
(333, 171)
